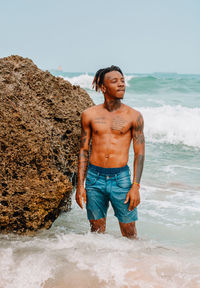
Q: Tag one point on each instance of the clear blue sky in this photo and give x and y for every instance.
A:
(85, 35)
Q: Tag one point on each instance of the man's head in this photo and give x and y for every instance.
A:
(110, 81)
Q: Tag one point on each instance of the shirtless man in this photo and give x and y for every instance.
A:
(110, 127)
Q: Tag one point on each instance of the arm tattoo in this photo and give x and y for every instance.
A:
(138, 164)
(83, 158)
(138, 135)
(138, 138)
(83, 137)
(139, 124)
(82, 166)
(138, 141)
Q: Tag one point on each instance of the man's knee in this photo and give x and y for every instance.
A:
(98, 226)
(128, 229)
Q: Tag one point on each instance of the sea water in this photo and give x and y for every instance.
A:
(167, 253)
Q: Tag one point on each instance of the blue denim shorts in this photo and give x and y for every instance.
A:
(104, 185)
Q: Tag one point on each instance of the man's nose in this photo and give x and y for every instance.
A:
(121, 84)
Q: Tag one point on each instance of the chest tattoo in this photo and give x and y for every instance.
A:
(100, 120)
(118, 124)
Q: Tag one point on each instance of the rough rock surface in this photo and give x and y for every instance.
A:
(39, 144)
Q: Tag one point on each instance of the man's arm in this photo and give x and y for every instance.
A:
(139, 152)
(139, 148)
(83, 158)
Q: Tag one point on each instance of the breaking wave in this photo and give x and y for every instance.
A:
(172, 124)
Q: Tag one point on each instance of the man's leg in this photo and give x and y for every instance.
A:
(128, 229)
(98, 226)
(120, 187)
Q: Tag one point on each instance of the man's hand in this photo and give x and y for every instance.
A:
(80, 194)
(133, 196)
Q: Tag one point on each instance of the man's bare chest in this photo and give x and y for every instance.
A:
(116, 124)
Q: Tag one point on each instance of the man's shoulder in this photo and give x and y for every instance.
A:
(91, 111)
(133, 112)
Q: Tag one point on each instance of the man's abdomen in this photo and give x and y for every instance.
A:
(110, 153)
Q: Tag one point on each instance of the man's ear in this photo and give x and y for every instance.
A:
(103, 89)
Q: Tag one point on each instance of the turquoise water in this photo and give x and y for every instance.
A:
(168, 250)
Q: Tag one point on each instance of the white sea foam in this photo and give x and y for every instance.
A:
(172, 124)
(85, 80)
(97, 261)
(23, 270)
(55, 257)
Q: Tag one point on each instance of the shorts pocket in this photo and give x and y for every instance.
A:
(124, 180)
(91, 179)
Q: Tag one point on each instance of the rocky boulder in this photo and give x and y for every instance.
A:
(39, 144)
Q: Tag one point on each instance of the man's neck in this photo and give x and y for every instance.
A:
(112, 104)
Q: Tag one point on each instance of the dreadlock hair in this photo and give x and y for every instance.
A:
(99, 76)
